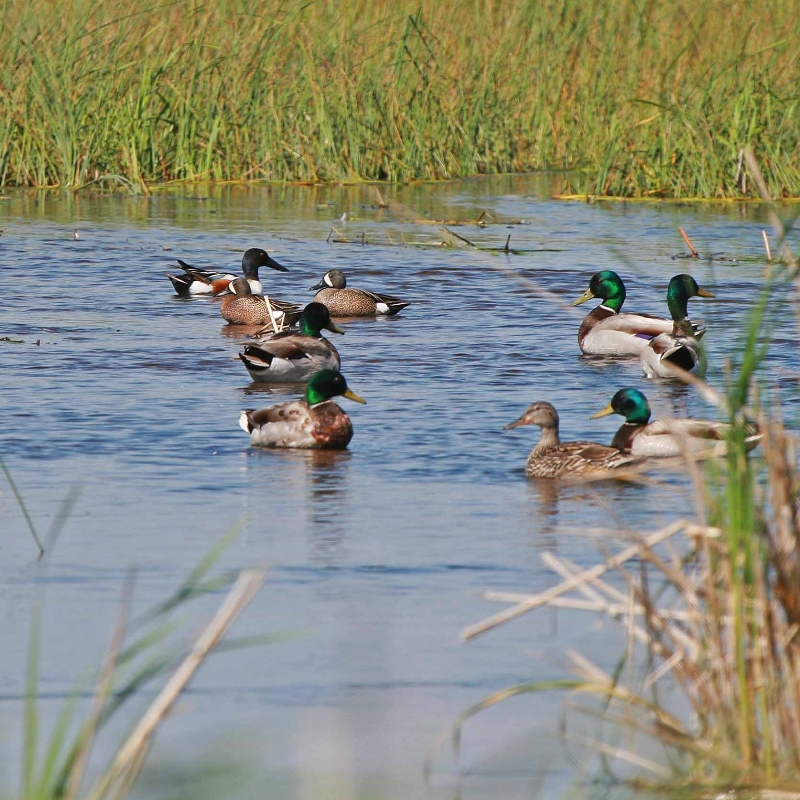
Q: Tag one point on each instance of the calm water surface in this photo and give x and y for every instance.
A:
(377, 556)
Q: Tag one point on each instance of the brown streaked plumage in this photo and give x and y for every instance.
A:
(552, 458)
(245, 308)
(344, 302)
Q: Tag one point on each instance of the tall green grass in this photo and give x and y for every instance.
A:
(639, 98)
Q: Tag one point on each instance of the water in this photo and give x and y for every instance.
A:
(376, 556)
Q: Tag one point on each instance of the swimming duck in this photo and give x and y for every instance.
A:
(293, 356)
(680, 347)
(314, 422)
(606, 332)
(199, 281)
(552, 458)
(640, 437)
(343, 302)
(242, 307)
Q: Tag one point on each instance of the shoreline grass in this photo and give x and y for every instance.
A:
(640, 99)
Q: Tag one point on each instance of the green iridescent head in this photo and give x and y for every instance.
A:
(681, 288)
(606, 285)
(314, 318)
(629, 403)
(326, 384)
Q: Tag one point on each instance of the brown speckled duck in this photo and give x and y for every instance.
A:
(245, 308)
(315, 422)
(344, 302)
(552, 458)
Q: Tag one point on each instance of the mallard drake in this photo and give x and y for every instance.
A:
(242, 307)
(293, 356)
(314, 422)
(640, 437)
(606, 332)
(200, 281)
(552, 458)
(680, 347)
(343, 302)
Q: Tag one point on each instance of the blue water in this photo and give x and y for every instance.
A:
(376, 557)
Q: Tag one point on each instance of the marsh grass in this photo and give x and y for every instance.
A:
(141, 651)
(138, 655)
(637, 98)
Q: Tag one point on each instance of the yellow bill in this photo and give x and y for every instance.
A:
(704, 293)
(351, 395)
(604, 413)
(587, 295)
(335, 328)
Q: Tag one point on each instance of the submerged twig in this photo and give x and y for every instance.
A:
(691, 247)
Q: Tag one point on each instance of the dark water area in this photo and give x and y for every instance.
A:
(376, 557)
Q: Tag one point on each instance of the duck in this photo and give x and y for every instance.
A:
(552, 458)
(314, 422)
(344, 302)
(640, 437)
(294, 356)
(680, 348)
(607, 332)
(199, 281)
(241, 307)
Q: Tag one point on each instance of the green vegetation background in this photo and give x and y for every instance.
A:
(638, 97)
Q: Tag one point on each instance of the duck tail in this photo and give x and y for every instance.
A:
(245, 422)
(180, 283)
(396, 306)
(255, 359)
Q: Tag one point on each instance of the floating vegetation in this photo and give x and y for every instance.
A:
(632, 100)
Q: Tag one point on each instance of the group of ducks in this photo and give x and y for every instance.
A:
(665, 348)
(283, 354)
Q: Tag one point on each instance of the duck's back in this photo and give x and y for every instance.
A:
(244, 310)
(575, 458)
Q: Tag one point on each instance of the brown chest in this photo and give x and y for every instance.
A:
(332, 427)
(591, 319)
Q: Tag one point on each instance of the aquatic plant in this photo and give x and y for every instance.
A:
(631, 95)
(138, 654)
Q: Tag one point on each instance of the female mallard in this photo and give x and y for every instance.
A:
(640, 437)
(343, 302)
(199, 281)
(292, 356)
(242, 307)
(552, 458)
(606, 332)
(314, 422)
(680, 347)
